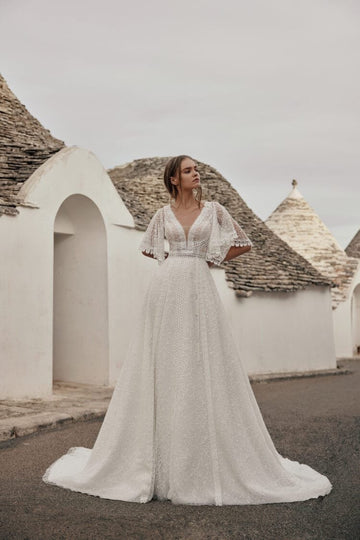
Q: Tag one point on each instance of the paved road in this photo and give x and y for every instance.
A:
(315, 421)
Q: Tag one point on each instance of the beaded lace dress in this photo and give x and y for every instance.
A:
(183, 423)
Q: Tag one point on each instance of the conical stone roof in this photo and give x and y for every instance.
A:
(270, 266)
(24, 145)
(298, 224)
(353, 249)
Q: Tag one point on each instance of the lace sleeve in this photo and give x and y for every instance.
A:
(153, 239)
(225, 232)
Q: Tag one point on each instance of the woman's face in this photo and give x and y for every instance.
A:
(189, 174)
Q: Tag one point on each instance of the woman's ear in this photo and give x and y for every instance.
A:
(173, 180)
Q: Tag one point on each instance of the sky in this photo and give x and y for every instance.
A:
(264, 91)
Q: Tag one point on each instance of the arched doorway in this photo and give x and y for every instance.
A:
(355, 319)
(80, 313)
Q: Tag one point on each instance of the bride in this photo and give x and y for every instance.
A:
(183, 423)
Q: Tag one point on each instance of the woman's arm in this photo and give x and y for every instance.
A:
(235, 251)
(227, 240)
(152, 243)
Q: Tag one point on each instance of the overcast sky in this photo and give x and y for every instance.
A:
(263, 90)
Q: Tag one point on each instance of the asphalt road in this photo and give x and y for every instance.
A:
(314, 421)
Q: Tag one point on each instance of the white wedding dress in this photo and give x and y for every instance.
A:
(183, 423)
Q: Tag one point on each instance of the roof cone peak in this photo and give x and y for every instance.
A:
(295, 193)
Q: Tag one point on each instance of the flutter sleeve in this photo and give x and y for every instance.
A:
(225, 232)
(153, 241)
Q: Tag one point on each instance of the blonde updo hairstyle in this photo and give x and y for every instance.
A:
(173, 170)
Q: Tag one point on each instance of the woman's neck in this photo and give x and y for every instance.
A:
(185, 200)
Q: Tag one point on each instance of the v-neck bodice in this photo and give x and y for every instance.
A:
(195, 242)
(188, 227)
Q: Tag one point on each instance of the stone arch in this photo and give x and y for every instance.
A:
(355, 320)
(80, 309)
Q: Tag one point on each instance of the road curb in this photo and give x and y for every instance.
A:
(14, 428)
(272, 377)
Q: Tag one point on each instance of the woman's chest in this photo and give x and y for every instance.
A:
(193, 229)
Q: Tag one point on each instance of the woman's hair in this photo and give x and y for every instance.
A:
(173, 170)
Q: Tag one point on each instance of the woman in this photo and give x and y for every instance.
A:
(183, 423)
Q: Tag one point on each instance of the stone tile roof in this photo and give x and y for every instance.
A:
(24, 145)
(353, 249)
(270, 266)
(297, 223)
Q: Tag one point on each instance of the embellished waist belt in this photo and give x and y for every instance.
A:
(183, 253)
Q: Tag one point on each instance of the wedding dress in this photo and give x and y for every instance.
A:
(183, 423)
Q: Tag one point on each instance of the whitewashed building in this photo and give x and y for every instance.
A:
(353, 250)
(298, 224)
(72, 278)
(69, 263)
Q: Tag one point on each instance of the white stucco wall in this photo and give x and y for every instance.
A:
(343, 323)
(355, 320)
(281, 332)
(129, 273)
(25, 313)
(342, 329)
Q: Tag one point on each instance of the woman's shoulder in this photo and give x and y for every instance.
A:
(212, 204)
(158, 215)
(161, 209)
(160, 212)
(215, 205)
